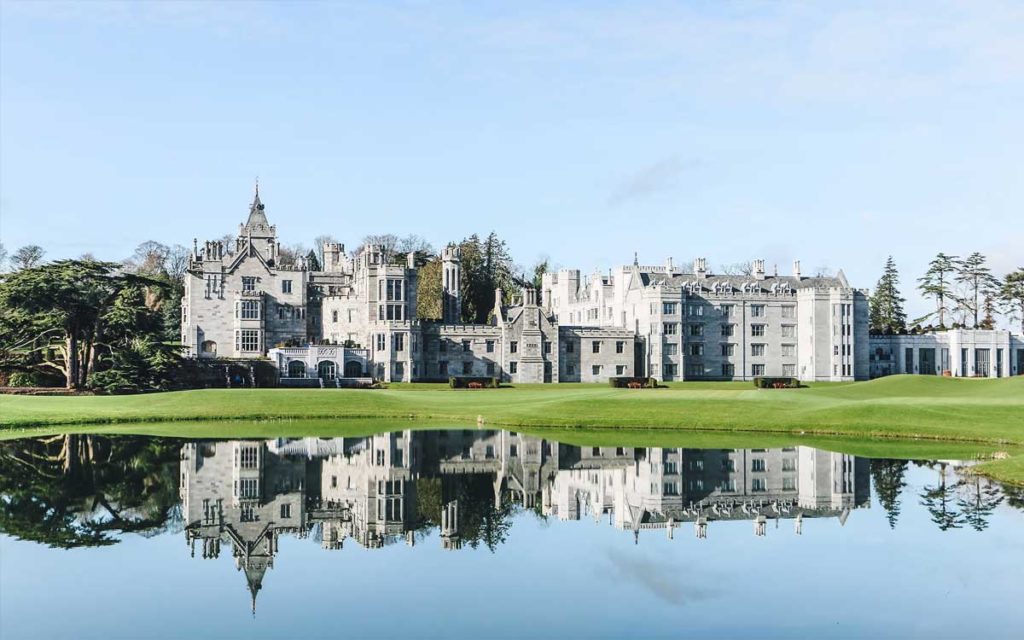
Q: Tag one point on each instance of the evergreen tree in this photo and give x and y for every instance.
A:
(937, 283)
(887, 476)
(1011, 295)
(886, 309)
(988, 307)
(977, 278)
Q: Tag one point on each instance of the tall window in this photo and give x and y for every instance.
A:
(757, 350)
(789, 331)
(789, 350)
(596, 346)
(249, 340)
(696, 310)
(250, 310)
(399, 342)
(757, 330)
(670, 328)
(727, 310)
(728, 349)
(671, 349)
(620, 346)
(669, 308)
(757, 310)
(513, 367)
(728, 370)
(757, 369)
(696, 330)
(334, 315)
(696, 349)
(513, 346)
(286, 286)
(728, 330)
(788, 311)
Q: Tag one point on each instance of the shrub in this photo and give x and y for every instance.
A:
(633, 383)
(764, 382)
(472, 382)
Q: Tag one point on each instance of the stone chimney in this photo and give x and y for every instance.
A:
(759, 269)
(529, 297)
(796, 269)
(410, 260)
(700, 267)
(669, 267)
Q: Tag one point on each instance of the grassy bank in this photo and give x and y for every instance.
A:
(898, 406)
(989, 412)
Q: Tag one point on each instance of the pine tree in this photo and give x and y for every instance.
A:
(886, 312)
(975, 275)
(988, 306)
(1011, 295)
(937, 283)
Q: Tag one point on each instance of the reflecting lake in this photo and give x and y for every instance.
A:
(486, 533)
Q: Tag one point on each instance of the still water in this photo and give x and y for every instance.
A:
(484, 533)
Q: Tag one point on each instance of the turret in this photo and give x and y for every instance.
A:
(451, 280)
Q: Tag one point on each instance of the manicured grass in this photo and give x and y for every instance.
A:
(901, 407)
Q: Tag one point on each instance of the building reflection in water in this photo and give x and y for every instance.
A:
(385, 488)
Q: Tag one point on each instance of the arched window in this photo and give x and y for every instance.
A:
(327, 370)
(296, 369)
(209, 347)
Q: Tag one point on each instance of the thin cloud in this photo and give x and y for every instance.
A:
(658, 177)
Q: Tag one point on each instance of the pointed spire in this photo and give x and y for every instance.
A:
(636, 261)
(257, 218)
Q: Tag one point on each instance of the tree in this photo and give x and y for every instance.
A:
(290, 255)
(149, 258)
(1011, 295)
(3, 257)
(937, 283)
(541, 267)
(988, 307)
(737, 269)
(978, 499)
(888, 478)
(312, 263)
(58, 312)
(413, 243)
(938, 500)
(27, 257)
(977, 278)
(886, 308)
(428, 291)
(71, 491)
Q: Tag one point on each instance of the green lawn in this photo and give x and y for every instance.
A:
(856, 415)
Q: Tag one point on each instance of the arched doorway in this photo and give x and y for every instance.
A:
(353, 369)
(327, 370)
(209, 348)
(296, 369)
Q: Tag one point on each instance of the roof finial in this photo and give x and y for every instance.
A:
(636, 261)
(257, 186)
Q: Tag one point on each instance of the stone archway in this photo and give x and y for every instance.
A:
(353, 369)
(327, 370)
(296, 369)
(209, 348)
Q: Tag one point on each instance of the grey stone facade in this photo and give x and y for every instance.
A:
(356, 317)
(700, 326)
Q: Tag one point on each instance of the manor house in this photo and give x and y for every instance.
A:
(355, 317)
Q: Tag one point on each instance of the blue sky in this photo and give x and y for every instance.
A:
(581, 131)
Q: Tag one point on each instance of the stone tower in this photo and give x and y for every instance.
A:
(451, 279)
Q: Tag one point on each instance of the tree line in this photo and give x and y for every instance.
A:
(964, 290)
